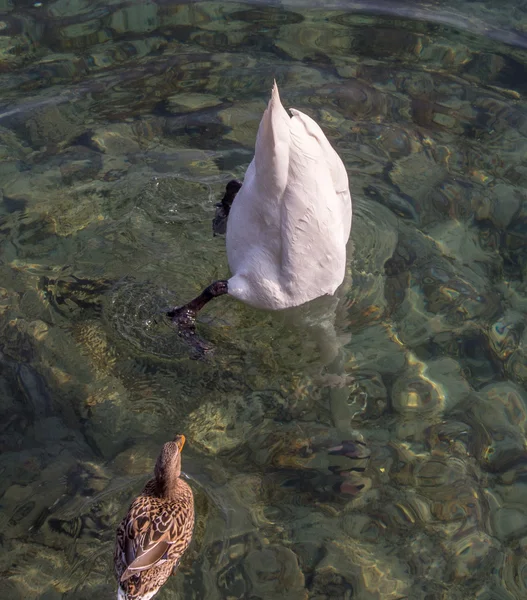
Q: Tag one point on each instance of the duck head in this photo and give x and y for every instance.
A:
(168, 464)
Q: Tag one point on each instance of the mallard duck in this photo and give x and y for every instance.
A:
(289, 222)
(157, 530)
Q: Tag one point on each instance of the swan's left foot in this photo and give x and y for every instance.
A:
(184, 317)
(219, 223)
(351, 449)
(351, 477)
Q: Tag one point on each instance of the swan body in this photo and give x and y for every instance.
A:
(290, 222)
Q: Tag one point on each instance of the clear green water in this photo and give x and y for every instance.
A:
(119, 125)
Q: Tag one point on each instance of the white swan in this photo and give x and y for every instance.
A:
(288, 225)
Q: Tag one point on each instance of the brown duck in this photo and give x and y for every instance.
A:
(157, 530)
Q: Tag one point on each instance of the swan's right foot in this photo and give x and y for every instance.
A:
(184, 317)
(185, 320)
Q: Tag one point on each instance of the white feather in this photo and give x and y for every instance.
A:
(290, 222)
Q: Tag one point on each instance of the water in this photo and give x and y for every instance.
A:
(119, 126)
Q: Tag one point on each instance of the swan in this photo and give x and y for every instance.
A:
(287, 224)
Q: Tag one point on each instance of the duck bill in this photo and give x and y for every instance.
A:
(180, 441)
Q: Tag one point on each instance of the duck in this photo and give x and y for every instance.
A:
(157, 530)
(287, 223)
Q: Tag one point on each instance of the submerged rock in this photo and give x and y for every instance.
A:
(502, 411)
(517, 363)
(54, 125)
(504, 334)
(417, 175)
(500, 205)
(429, 388)
(273, 573)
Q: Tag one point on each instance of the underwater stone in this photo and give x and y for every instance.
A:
(71, 210)
(80, 170)
(417, 174)
(368, 394)
(219, 427)
(375, 238)
(17, 494)
(139, 18)
(504, 333)
(54, 124)
(53, 430)
(137, 460)
(116, 139)
(82, 35)
(351, 568)
(506, 404)
(513, 573)
(368, 306)
(502, 411)
(416, 85)
(274, 574)
(110, 428)
(19, 41)
(243, 120)
(401, 206)
(413, 393)
(429, 387)
(307, 41)
(444, 120)
(509, 523)
(9, 589)
(517, 364)
(460, 241)
(471, 553)
(190, 102)
(375, 348)
(500, 205)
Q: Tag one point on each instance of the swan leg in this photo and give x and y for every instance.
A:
(185, 316)
(351, 449)
(352, 478)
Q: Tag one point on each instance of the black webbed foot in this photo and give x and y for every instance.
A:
(353, 485)
(352, 479)
(351, 449)
(184, 317)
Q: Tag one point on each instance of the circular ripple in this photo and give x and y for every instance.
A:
(135, 311)
(177, 200)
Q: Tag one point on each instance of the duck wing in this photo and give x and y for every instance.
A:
(153, 533)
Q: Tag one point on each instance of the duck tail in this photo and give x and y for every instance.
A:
(121, 594)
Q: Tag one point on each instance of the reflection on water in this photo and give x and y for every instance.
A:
(119, 126)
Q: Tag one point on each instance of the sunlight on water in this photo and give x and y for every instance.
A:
(398, 470)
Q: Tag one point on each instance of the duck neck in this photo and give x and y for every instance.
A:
(171, 485)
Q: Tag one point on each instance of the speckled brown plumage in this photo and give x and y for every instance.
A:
(157, 530)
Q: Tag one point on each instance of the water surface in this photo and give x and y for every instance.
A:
(120, 124)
